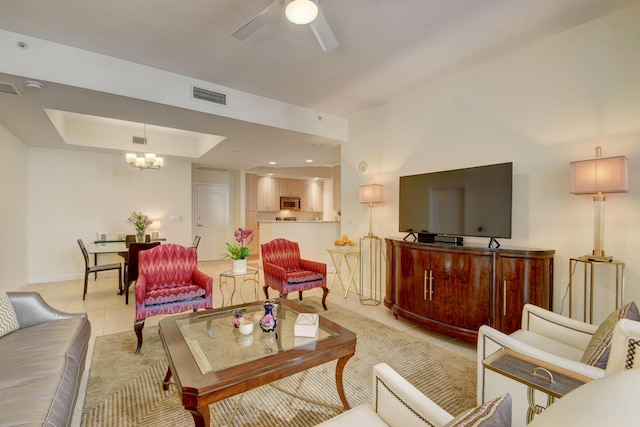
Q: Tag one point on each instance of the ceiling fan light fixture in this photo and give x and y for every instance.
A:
(301, 11)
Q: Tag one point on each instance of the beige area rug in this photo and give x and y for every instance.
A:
(125, 389)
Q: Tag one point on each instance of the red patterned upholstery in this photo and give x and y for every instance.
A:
(285, 271)
(169, 282)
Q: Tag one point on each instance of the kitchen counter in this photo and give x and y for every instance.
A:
(313, 237)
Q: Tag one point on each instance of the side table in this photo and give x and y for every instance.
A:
(555, 382)
(588, 283)
(250, 276)
(337, 257)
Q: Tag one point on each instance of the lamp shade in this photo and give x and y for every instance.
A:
(600, 175)
(371, 193)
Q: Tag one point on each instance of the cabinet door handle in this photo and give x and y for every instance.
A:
(504, 297)
(424, 285)
(430, 285)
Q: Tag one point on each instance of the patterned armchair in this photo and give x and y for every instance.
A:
(169, 282)
(285, 271)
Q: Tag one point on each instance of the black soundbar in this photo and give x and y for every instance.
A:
(440, 238)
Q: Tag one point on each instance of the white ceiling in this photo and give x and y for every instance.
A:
(386, 48)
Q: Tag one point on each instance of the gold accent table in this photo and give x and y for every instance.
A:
(250, 276)
(337, 257)
(589, 274)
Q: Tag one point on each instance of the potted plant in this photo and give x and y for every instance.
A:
(238, 252)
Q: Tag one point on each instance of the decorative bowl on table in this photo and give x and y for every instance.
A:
(344, 243)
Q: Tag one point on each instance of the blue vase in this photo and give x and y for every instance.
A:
(268, 322)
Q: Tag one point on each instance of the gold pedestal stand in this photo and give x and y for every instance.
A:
(371, 258)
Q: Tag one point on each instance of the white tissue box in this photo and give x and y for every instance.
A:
(306, 325)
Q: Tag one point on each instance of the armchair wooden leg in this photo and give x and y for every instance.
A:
(266, 292)
(137, 326)
(300, 295)
(325, 292)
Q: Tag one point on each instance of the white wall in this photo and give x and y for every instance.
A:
(74, 194)
(13, 211)
(540, 107)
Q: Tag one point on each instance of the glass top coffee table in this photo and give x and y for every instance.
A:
(210, 360)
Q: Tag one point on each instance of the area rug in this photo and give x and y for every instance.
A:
(125, 389)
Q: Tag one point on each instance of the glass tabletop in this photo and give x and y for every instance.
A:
(216, 344)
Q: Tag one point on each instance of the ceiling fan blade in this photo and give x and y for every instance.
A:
(258, 21)
(323, 33)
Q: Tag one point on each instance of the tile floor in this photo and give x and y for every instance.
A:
(109, 314)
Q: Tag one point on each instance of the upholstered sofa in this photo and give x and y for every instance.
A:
(41, 363)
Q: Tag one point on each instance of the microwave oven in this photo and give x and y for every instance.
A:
(289, 203)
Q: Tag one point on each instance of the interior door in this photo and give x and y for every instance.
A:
(213, 223)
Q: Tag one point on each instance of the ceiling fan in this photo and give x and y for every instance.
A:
(297, 11)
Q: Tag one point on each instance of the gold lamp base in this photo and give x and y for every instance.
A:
(598, 256)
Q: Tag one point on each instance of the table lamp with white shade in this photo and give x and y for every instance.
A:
(599, 176)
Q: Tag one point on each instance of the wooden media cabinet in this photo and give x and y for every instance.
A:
(457, 289)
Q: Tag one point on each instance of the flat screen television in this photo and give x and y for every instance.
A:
(473, 201)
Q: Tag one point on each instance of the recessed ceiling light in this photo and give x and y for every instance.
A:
(317, 145)
(309, 161)
(270, 173)
(272, 163)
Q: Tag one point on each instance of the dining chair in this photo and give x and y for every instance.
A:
(129, 239)
(196, 242)
(131, 271)
(88, 269)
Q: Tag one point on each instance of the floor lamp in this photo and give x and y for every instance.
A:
(599, 176)
(371, 250)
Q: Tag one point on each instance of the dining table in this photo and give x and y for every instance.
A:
(114, 246)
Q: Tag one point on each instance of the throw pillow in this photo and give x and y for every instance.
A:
(494, 413)
(8, 318)
(597, 352)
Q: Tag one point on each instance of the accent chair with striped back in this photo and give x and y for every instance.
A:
(285, 271)
(169, 282)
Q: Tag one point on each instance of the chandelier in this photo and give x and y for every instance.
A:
(146, 160)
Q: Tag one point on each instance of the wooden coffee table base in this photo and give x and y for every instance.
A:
(202, 415)
(222, 378)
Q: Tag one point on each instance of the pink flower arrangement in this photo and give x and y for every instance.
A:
(239, 250)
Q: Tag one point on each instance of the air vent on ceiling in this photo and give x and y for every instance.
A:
(139, 140)
(209, 95)
(9, 89)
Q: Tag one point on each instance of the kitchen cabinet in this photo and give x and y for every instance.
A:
(457, 289)
(268, 197)
(268, 190)
(290, 187)
(251, 192)
(312, 196)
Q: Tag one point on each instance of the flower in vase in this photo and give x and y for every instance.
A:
(139, 221)
(239, 250)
